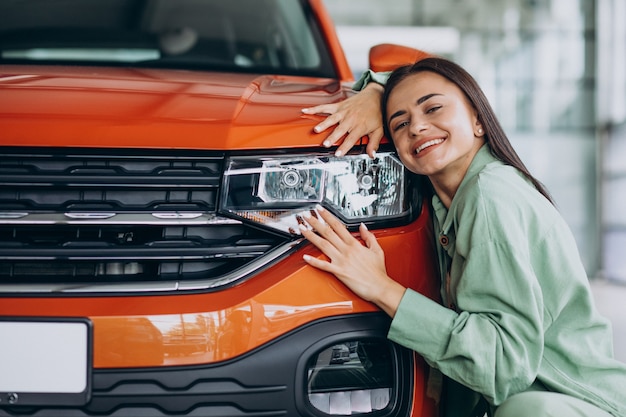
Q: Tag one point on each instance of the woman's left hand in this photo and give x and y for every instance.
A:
(361, 267)
(358, 116)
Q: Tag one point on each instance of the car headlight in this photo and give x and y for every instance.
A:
(276, 190)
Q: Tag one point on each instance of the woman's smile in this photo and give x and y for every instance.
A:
(427, 145)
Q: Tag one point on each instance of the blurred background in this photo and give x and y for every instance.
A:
(555, 73)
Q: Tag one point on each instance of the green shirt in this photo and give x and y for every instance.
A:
(518, 312)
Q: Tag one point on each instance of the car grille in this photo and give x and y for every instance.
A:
(75, 220)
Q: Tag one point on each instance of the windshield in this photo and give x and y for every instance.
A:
(268, 36)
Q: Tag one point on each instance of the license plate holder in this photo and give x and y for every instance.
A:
(45, 361)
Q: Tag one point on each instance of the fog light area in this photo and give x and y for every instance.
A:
(351, 378)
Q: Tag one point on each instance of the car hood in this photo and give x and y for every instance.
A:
(150, 108)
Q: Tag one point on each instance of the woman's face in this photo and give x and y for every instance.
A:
(433, 126)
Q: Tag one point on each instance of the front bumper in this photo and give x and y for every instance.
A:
(270, 380)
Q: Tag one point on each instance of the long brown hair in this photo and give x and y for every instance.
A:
(495, 137)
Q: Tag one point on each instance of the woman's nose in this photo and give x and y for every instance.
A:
(418, 125)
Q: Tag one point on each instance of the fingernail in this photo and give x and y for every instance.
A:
(364, 226)
(338, 153)
(302, 227)
(307, 257)
(304, 110)
(327, 144)
(373, 154)
(317, 129)
(319, 207)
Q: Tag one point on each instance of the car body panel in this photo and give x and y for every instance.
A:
(157, 108)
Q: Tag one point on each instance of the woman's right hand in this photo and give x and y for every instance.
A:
(358, 263)
(353, 118)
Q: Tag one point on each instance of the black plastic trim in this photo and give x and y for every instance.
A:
(265, 382)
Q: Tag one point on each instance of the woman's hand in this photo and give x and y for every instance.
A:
(360, 267)
(353, 118)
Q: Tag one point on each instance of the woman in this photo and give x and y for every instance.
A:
(517, 324)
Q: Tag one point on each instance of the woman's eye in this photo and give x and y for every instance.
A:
(433, 109)
(400, 126)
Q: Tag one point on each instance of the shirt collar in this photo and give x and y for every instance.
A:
(444, 216)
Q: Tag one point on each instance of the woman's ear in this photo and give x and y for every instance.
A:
(478, 129)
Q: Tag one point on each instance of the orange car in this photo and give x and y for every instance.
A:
(154, 165)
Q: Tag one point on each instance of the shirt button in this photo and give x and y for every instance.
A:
(443, 239)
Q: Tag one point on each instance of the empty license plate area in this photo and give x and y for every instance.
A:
(45, 361)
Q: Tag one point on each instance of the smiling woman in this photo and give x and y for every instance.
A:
(517, 332)
(467, 100)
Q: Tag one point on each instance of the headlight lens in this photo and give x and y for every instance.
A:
(275, 191)
(351, 378)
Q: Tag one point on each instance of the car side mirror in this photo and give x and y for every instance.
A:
(387, 56)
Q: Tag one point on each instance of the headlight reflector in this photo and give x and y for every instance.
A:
(275, 191)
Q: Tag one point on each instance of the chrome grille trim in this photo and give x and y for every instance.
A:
(154, 219)
(166, 286)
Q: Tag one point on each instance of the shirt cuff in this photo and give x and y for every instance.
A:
(422, 325)
(370, 76)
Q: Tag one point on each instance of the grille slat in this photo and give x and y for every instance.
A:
(119, 216)
(112, 179)
(172, 252)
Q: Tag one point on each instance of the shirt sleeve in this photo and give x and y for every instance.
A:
(370, 76)
(494, 343)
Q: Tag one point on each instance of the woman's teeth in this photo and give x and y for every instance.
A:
(427, 144)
